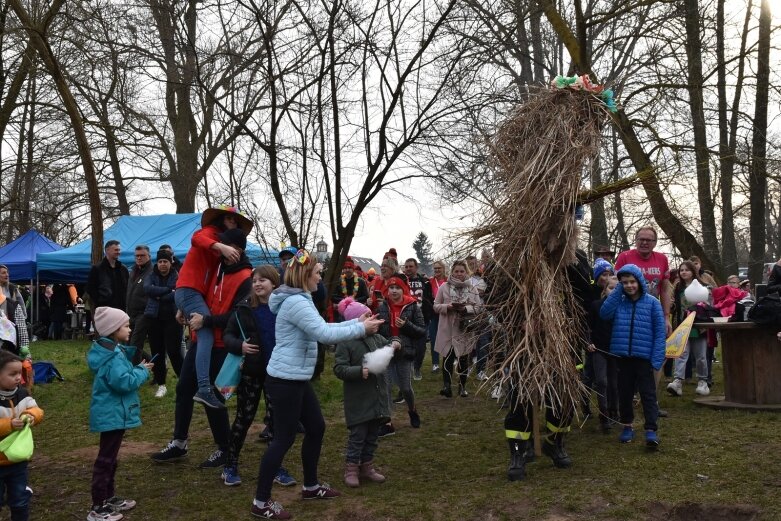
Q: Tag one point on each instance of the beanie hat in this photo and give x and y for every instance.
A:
(601, 266)
(371, 271)
(234, 237)
(109, 320)
(164, 255)
(348, 264)
(390, 253)
(351, 309)
(399, 280)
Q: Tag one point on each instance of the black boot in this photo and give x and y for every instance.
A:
(517, 469)
(529, 456)
(553, 447)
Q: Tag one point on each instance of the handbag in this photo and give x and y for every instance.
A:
(230, 373)
(18, 446)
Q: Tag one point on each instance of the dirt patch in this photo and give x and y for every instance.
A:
(688, 511)
(128, 449)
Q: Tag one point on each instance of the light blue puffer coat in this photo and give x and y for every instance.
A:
(638, 326)
(298, 329)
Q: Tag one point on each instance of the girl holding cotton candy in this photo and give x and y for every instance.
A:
(361, 365)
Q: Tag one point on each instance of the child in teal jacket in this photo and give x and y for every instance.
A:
(114, 407)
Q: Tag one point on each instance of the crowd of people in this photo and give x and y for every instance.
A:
(278, 320)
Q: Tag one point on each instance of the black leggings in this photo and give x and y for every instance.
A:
(447, 368)
(247, 401)
(292, 401)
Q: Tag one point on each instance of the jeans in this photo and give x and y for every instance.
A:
(699, 348)
(449, 368)
(190, 301)
(637, 373)
(185, 389)
(105, 467)
(399, 373)
(481, 349)
(362, 441)
(420, 352)
(432, 336)
(13, 484)
(293, 401)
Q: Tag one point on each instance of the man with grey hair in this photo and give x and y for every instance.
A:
(136, 296)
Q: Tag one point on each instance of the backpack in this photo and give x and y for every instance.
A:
(767, 310)
(45, 373)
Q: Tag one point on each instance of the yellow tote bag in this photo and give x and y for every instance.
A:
(676, 343)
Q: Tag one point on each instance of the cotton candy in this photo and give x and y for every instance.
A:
(377, 361)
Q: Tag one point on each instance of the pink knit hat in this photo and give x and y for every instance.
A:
(109, 320)
(351, 309)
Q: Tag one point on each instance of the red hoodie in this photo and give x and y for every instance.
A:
(200, 265)
(395, 311)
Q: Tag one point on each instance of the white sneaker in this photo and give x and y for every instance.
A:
(481, 376)
(435, 368)
(675, 388)
(496, 392)
(702, 388)
(161, 390)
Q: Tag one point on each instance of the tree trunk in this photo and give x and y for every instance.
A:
(758, 174)
(38, 37)
(599, 235)
(701, 156)
(672, 227)
(25, 222)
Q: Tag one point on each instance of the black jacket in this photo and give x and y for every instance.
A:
(136, 296)
(413, 329)
(243, 321)
(107, 286)
(420, 287)
(774, 281)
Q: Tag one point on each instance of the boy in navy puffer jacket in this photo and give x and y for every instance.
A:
(638, 340)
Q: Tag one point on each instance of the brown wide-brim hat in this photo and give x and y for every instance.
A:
(211, 214)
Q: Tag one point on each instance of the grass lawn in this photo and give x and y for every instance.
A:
(712, 465)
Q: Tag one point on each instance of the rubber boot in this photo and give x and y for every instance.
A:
(369, 472)
(351, 475)
(553, 447)
(529, 456)
(517, 469)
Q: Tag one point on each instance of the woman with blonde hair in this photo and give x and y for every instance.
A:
(438, 280)
(455, 299)
(298, 329)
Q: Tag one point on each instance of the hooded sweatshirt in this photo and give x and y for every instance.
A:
(638, 325)
(298, 329)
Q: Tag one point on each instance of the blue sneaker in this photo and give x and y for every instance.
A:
(627, 435)
(651, 439)
(283, 478)
(230, 476)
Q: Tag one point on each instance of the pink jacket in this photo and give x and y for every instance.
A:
(449, 335)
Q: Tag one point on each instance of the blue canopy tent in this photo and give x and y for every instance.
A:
(73, 264)
(20, 254)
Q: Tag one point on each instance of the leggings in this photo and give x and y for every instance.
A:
(292, 401)
(247, 401)
(399, 369)
(447, 369)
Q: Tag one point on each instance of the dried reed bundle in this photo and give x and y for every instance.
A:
(540, 153)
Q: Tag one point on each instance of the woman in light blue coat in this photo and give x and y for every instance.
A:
(298, 329)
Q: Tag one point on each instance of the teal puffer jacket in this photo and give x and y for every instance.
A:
(115, 404)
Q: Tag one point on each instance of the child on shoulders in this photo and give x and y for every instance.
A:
(114, 407)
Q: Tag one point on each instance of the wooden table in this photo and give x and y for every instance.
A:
(751, 360)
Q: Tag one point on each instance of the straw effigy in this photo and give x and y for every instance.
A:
(539, 155)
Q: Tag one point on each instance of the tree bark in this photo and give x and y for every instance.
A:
(701, 155)
(757, 180)
(38, 37)
(681, 238)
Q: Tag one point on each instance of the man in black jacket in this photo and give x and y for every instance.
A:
(136, 297)
(420, 288)
(107, 280)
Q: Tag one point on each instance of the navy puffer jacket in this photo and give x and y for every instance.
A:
(638, 325)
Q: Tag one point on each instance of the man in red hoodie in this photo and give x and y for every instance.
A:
(192, 288)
